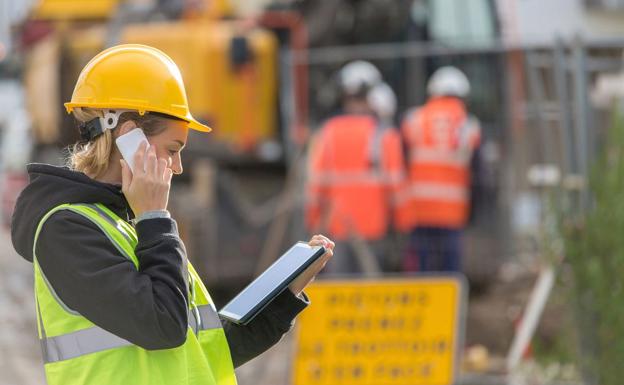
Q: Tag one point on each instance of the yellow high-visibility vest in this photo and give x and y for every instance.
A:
(76, 351)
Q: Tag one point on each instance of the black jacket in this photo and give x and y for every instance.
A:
(147, 307)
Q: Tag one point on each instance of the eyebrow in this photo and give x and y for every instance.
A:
(181, 143)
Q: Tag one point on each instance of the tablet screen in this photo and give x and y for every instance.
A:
(272, 281)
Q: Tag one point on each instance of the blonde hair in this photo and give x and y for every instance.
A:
(92, 158)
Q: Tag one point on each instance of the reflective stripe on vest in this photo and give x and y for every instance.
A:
(341, 178)
(458, 158)
(122, 226)
(96, 339)
(434, 191)
(80, 343)
(208, 319)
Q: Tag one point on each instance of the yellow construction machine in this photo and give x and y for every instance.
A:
(230, 68)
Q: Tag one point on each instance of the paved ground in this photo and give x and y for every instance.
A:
(271, 368)
(20, 358)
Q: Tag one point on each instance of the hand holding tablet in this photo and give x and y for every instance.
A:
(308, 275)
(259, 293)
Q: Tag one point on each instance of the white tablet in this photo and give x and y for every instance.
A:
(258, 294)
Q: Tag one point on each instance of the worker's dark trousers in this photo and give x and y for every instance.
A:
(434, 249)
(345, 260)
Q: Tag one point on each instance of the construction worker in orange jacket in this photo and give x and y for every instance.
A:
(441, 138)
(356, 165)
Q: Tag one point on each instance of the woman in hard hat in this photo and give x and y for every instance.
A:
(117, 300)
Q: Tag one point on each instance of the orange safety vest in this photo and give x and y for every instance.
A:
(441, 138)
(355, 171)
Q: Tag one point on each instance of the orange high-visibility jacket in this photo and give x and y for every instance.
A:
(441, 138)
(355, 171)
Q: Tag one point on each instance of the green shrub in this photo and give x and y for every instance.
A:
(594, 244)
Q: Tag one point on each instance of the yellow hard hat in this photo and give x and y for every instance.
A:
(133, 77)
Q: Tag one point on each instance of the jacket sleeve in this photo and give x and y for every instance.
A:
(249, 341)
(147, 307)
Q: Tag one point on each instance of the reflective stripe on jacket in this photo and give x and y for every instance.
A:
(356, 168)
(441, 138)
(76, 351)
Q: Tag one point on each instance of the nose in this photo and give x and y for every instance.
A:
(176, 166)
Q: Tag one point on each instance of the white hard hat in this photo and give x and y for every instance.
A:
(448, 81)
(358, 76)
(382, 100)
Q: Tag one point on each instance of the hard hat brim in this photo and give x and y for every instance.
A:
(193, 124)
(197, 126)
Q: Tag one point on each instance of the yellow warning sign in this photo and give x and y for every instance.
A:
(381, 332)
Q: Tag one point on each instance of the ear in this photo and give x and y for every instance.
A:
(126, 127)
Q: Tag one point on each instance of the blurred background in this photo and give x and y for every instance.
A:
(541, 250)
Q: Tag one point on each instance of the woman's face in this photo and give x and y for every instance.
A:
(170, 143)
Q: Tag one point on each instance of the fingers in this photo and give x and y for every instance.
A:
(329, 253)
(321, 240)
(168, 175)
(308, 276)
(148, 188)
(139, 158)
(161, 167)
(151, 167)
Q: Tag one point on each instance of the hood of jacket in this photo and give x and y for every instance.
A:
(51, 186)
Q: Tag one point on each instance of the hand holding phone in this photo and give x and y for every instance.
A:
(129, 143)
(147, 190)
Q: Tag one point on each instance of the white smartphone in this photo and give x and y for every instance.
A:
(129, 143)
